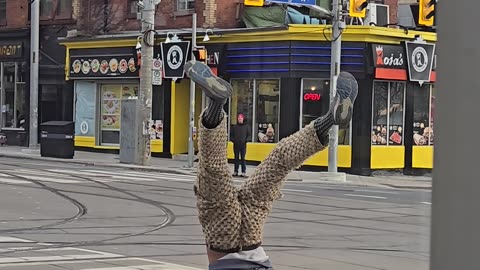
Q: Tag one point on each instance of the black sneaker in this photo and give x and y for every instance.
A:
(342, 106)
(215, 88)
(235, 175)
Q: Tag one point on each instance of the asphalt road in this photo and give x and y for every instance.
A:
(61, 216)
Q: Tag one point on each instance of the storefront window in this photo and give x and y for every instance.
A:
(111, 105)
(423, 107)
(388, 113)
(242, 100)
(12, 84)
(315, 102)
(267, 110)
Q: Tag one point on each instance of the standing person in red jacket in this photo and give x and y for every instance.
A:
(240, 135)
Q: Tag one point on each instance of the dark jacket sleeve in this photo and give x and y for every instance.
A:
(232, 133)
(249, 134)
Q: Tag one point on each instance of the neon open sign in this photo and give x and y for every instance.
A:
(312, 97)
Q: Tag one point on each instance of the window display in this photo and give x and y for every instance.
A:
(268, 101)
(12, 86)
(110, 113)
(388, 113)
(395, 134)
(315, 102)
(315, 99)
(423, 107)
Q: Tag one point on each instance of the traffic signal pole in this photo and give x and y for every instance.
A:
(338, 25)
(34, 62)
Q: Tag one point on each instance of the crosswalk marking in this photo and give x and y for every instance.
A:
(72, 255)
(65, 176)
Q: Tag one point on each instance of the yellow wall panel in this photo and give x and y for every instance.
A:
(259, 151)
(180, 122)
(388, 157)
(83, 141)
(156, 146)
(422, 157)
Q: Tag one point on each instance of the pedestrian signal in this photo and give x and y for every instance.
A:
(427, 12)
(358, 8)
(255, 3)
(200, 55)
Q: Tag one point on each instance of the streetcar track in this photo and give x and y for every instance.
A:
(81, 209)
(169, 219)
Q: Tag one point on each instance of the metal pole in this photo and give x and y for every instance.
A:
(192, 97)
(34, 59)
(145, 93)
(334, 72)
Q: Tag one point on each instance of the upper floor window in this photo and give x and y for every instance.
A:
(132, 8)
(3, 12)
(185, 5)
(59, 9)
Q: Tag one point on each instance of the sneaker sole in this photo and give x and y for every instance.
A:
(214, 87)
(344, 100)
(343, 112)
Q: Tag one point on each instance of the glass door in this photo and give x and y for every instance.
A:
(12, 97)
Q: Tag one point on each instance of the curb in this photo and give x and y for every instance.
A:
(99, 164)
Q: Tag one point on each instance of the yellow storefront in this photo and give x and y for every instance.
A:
(274, 70)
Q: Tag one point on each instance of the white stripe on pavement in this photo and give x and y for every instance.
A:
(4, 239)
(366, 196)
(376, 191)
(297, 190)
(427, 203)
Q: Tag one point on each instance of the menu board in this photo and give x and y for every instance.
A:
(103, 66)
(129, 91)
(111, 107)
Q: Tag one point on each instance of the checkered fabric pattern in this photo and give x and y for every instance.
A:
(233, 217)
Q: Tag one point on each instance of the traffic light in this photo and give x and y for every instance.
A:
(255, 3)
(358, 8)
(200, 55)
(427, 12)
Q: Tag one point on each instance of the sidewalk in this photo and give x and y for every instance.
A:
(165, 165)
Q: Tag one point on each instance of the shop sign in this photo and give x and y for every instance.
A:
(388, 56)
(11, 50)
(213, 60)
(103, 66)
(312, 97)
(174, 56)
(420, 56)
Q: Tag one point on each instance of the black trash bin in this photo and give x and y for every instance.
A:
(57, 139)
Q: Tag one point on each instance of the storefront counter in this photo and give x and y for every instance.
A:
(422, 157)
(259, 151)
(89, 142)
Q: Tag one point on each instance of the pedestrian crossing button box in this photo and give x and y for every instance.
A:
(57, 139)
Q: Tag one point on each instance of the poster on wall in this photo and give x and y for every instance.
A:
(266, 133)
(129, 91)
(379, 135)
(156, 130)
(396, 135)
(111, 107)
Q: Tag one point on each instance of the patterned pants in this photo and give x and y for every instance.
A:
(233, 217)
